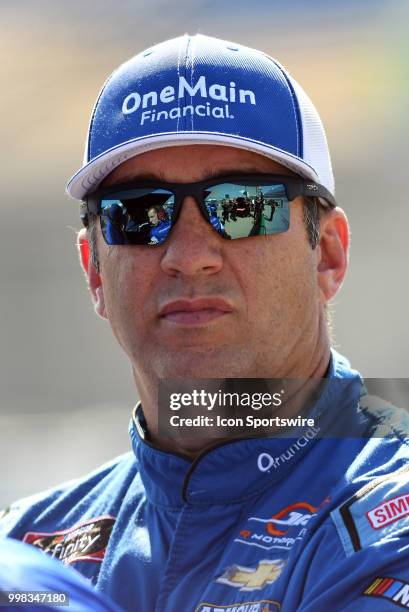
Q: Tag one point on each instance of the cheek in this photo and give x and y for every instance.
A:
(279, 282)
(127, 280)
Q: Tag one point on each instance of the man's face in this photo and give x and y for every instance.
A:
(153, 216)
(261, 307)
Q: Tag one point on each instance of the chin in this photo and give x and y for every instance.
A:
(204, 363)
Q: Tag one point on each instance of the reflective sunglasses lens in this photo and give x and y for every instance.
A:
(139, 216)
(239, 211)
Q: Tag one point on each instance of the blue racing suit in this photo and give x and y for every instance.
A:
(159, 232)
(315, 521)
(42, 583)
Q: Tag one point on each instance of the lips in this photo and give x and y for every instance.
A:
(195, 312)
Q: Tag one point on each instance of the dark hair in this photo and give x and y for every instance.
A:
(92, 238)
(311, 214)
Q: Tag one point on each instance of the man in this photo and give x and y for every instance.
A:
(159, 227)
(308, 520)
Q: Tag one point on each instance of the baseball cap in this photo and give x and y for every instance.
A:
(203, 90)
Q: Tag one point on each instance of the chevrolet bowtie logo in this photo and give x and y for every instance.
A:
(249, 578)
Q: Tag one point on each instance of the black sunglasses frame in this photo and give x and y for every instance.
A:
(294, 186)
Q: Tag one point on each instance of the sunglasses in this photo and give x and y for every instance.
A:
(238, 206)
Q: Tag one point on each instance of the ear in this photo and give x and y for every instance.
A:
(92, 274)
(333, 253)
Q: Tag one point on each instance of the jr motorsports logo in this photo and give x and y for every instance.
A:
(252, 578)
(204, 99)
(84, 542)
(281, 530)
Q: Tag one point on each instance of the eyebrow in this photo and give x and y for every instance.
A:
(145, 176)
(209, 174)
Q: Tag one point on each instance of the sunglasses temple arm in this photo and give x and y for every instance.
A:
(88, 206)
(315, 190)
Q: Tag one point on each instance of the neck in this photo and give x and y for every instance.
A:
(300, 389)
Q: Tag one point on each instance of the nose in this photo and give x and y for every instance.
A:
(193, 247)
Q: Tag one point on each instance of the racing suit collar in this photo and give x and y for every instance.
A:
(236, 470)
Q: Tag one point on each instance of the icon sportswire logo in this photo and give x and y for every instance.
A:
(222, 94)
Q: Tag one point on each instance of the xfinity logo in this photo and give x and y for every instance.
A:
(216, 91)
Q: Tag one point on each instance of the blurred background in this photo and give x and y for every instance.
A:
(67, 390)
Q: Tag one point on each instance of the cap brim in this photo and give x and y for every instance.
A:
(92, 174)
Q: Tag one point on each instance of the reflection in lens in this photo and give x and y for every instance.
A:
(238, 211)
(140, 216)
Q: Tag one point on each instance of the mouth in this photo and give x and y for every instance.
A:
(195, 312)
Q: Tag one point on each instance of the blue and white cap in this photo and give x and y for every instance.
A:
(202, 90)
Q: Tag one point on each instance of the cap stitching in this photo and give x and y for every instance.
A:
(191, 83)
(185, 76)
(198, 132)
(94, 111)
(178, 73)
(76, 178)
(294, 99)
